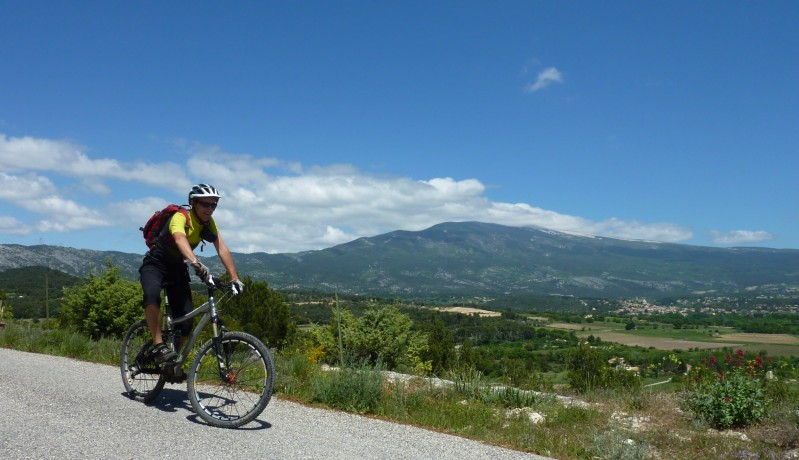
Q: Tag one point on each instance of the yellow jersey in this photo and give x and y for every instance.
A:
(194, 230)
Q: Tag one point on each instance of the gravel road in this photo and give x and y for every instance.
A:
(53, 407)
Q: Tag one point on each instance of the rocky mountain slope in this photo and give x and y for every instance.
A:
(478, 259)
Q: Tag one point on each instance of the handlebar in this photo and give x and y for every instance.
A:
(220, 284)
(216, 283)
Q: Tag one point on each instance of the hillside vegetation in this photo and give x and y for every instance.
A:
(35, 292)
(471, 260)
(511, 378)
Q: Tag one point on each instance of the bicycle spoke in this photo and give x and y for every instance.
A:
(238, 396)
(143, 380)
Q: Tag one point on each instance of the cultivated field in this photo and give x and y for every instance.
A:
(684, 339)
(779, 339)
(569, 326)
(470, 311)
(661, 343)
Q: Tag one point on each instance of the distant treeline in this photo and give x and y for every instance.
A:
(31, 291)
(769, 323)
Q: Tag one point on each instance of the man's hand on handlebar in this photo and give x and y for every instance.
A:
(236, 287)
(203, 272)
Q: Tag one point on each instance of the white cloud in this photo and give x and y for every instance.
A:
(21, 154)
(545, 78)
(29, 187)
(38, 195)
(740, 236)
(269, 205)
(11, 226)
(26, 153)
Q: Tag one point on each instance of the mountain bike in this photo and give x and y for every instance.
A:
(230, 378)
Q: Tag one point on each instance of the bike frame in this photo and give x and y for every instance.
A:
(207, 312)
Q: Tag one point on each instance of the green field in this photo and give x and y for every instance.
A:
(668, 338)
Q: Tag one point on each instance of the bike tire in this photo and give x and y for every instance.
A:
(250, 378)
(143, 381)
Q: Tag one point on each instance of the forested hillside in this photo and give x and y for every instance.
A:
(473, 260)
(31, 291)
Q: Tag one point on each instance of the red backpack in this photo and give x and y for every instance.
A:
(155, 225)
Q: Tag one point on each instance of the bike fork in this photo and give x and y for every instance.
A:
(222, 358)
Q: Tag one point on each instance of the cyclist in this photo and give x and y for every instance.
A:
(166, 262)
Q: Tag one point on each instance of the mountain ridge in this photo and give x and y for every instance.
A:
(457, 259)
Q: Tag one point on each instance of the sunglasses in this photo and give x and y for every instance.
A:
(207, 204)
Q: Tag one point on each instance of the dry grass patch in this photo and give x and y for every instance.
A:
(751, 337)
(660, 343)
(569, 326)
(543, 319)
(470, 311)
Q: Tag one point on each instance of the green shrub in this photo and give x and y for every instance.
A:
(734, 401)
(589, 370)
(470, 384)
(262, 312)
(509, 397)
(105, 305)
(730, 393)
(381, 335)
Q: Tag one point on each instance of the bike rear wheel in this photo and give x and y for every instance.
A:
(142, 379)
(231, 393)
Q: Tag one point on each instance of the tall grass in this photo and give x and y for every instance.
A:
(357, 389)
(26, 336)
(295, 375)
(471, 384)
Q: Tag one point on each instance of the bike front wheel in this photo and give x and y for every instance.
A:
(141, 377)
(230, 379)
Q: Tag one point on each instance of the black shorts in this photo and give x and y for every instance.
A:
(153, 273)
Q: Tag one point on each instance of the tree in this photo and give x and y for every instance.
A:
(441, 346)
(262, 312)
(589, 370)
(5, 308)
(105, 305)
(586, 368)
(514, 370)
(381, 335)
(467, 355)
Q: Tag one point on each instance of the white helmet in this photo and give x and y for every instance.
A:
(203, 191)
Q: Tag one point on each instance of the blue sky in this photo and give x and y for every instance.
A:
(327, 121)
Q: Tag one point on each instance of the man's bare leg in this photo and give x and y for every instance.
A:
(152, 315)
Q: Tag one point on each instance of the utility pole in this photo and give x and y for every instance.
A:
(46, 295)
